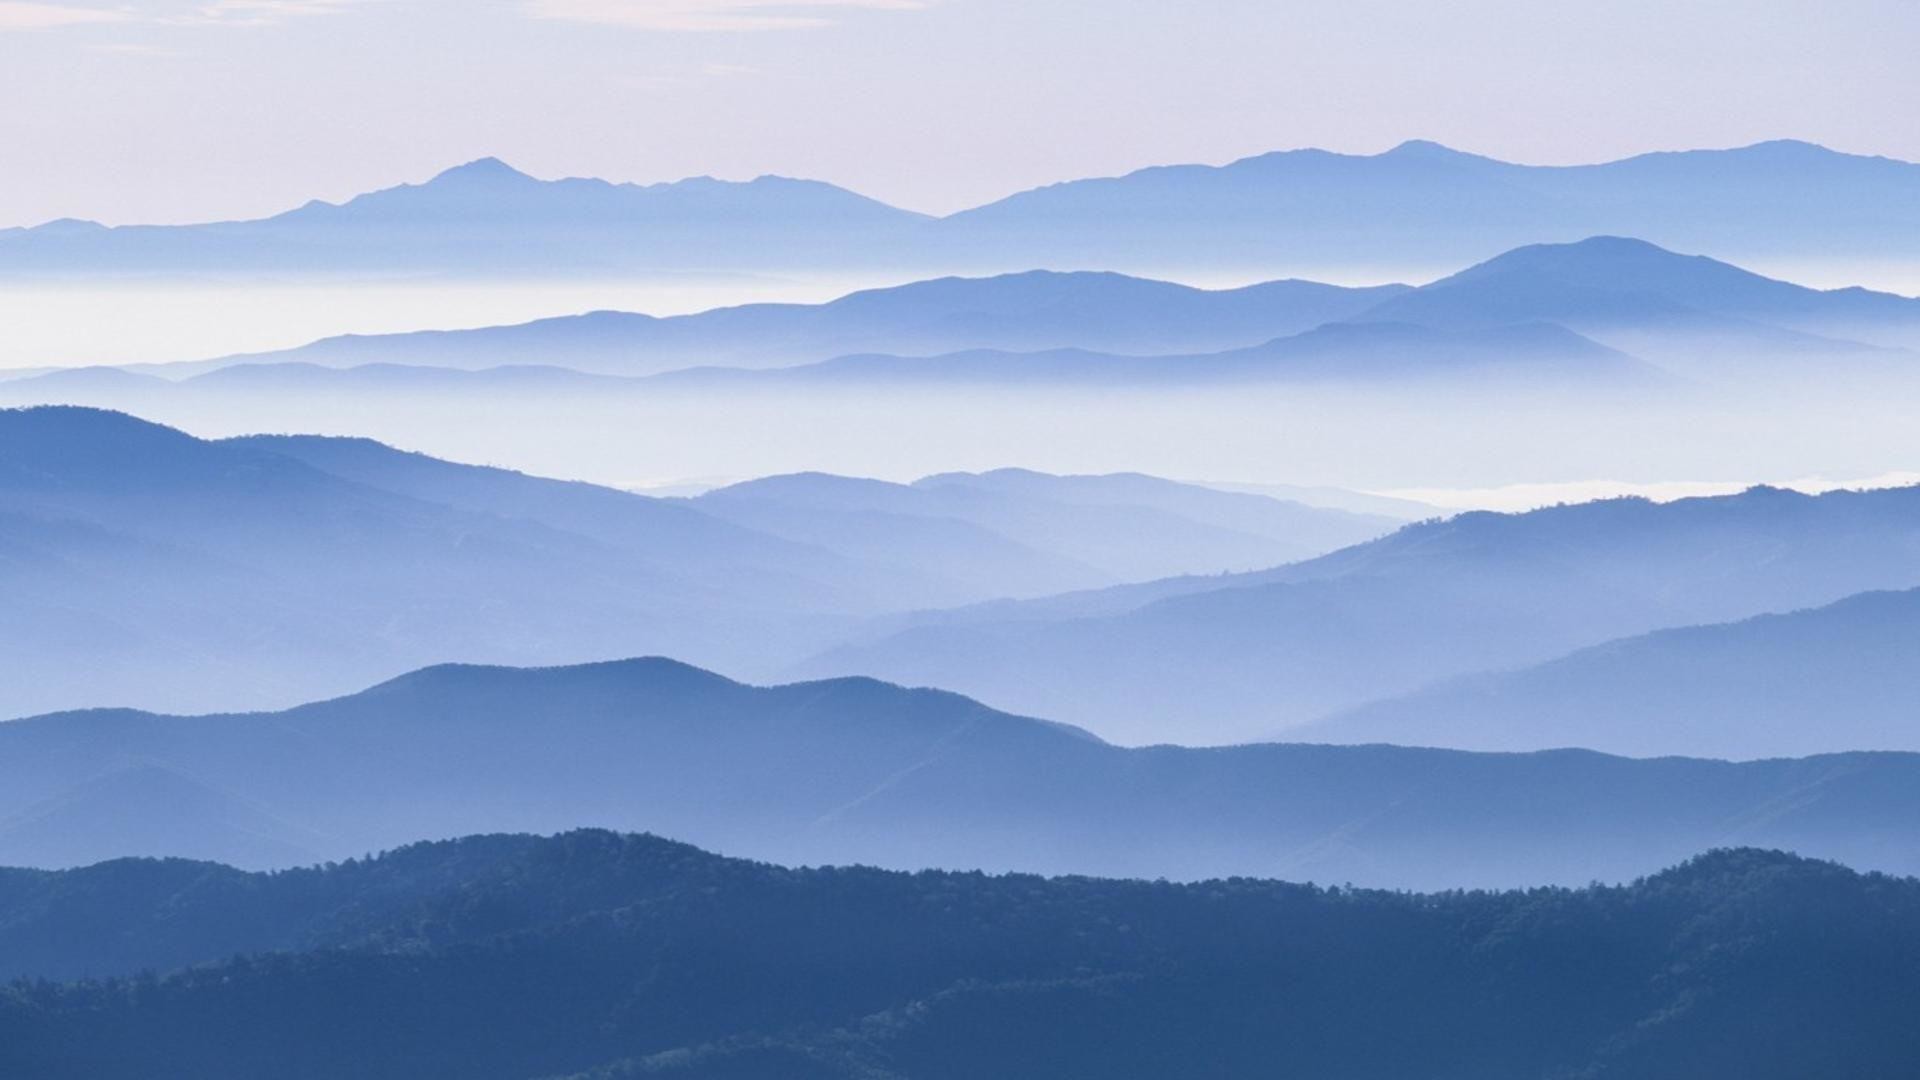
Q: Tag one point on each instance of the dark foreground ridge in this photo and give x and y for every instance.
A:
(595, 954)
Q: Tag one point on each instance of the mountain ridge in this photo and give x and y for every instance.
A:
(1768, 198)
(1470, 593)
(261, 570)
(859, 770)
(1628, 294)
(596, 954)
(1775, 685)
(1025, 308)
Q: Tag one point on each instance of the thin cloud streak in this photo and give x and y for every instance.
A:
(35, 15)
(263, 12)
(709, 16)
(17, 15)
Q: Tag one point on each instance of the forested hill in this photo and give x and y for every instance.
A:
(595, 954)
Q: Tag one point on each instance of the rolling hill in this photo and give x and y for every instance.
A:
(1029, 311)
(1803, 682)
(1224, 659)
(142, 564)
(1667, 307)
(1365, 354)
(997, 528)
(852, 770)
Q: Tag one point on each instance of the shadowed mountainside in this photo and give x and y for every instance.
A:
(1244, 656)
(855, 770)
(1771, 686)
(142, 564)
(511, 957)
(1120, 526)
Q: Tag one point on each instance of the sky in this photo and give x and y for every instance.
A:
(188, 110)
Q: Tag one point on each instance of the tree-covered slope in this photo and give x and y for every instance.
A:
(609, 956)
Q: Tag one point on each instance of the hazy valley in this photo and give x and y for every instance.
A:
(1071, 592)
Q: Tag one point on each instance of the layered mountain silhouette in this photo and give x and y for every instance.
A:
(1597, 313)
(1606, 280)
(1679, 310)
(1006, 530)
(1030, 311)
(1425, 203)
(1371, 355)
(596, 955)
(1770, 686)
(1419, 203)
(1237, 657)
(853, 770)
(142, 564)
(1551, 310)
(488, 217)
(1536, 355)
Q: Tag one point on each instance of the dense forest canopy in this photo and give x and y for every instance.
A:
(599, 954)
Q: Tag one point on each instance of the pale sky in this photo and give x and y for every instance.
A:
(181, 110)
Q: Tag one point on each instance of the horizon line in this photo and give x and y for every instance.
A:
(1414, 144)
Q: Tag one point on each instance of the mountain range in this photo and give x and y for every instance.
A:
(1237, 657)
(1426, 203)
(597, 956)
(142, 564)
(147, 567)
(1417, 204)
(853, 770)
(1378, 355)
(486, 217)
(1769, 686)
(1021, 312)
(1120, 526)
(1579, 314)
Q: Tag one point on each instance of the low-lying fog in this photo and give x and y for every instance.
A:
(156, 320)
(164, 321)
(1451, 448)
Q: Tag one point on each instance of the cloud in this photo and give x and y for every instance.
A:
(37, 16)
(132, 48)
(41, 15)
(709, 16)
(264, 12)
(271, 10)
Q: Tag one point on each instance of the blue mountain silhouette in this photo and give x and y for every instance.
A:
(1235, 657)
(853, 770)
(1417, 204)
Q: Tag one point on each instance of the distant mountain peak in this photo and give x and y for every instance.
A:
(1790, 146)
(1607, 242)
(1604, 254)
(630, 669)
(607, 680)
(1425, 148)
(70, 225)
(481, 170)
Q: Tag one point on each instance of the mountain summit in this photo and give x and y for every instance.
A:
(486, 170)
(1418, 204)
